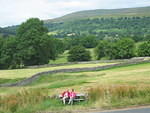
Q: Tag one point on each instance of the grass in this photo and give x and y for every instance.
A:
(21, 101)
(130, 75)
(118, 96)
(61, 59)
(115, 87)
(93, 56)
(3, 80)
(66, 83)
(32, 100)
(24, 73)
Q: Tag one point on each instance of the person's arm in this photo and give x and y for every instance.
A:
(69, 94)
(63, 94)
(74, 95)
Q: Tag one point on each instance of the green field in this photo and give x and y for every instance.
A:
(129, 75)
(122, 78)
(132, 75)
(24, 73)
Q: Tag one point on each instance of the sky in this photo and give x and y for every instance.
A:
(14, 12)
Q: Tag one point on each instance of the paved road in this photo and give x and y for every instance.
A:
(137, 110)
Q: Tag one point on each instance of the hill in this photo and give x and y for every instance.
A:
(11, 30)
(128, 22)
(103, 23)
(129, 12)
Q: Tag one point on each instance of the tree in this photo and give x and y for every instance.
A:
(144, 49)
(119, 49)
(125, 48)
(35, 47)
(8, 58)
(78, 53)
(1, 45)
(89, 41)
(31, 46)
(103, 49)
(60, 45)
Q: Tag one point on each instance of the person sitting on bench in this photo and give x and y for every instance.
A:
(65, 96)
(72, 97)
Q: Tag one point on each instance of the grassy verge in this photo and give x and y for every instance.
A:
(31, 101)
(119, 96)
(104, 97)
(22, 101)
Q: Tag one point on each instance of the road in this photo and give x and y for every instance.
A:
(135, 110)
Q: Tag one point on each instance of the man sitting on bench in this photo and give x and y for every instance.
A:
(72, 97)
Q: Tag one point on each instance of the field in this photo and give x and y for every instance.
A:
(129, 80)
(130, 75)
(24, 73)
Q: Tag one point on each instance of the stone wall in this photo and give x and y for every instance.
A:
(36, 76)
(88, 62)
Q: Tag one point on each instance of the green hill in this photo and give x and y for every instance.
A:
(128, 22)
(11, 30)
(103, 23)
(129, 12)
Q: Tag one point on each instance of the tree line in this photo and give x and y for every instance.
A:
(33, 46)
(111, 49)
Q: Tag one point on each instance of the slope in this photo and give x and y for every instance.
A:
(140, 11)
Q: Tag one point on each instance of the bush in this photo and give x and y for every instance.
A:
(78, 53)
(125, 48)
(144, 49)
(120, 49)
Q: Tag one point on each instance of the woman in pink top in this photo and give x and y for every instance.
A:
(72, 96)
(65, 96)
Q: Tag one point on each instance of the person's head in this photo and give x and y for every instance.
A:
(72, 90)
(67, 90)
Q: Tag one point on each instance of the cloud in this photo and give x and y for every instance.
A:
(17, 11)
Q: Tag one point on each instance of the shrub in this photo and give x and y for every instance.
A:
(78, 53)
(120, 49)
(144, 49)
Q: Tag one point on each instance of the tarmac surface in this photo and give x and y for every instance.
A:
(132, 110)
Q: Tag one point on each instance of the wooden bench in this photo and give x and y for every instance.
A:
(79, 97)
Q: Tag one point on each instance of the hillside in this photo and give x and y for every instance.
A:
(128, 22)
(129, 12)
(11, 30)
(135, 27)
